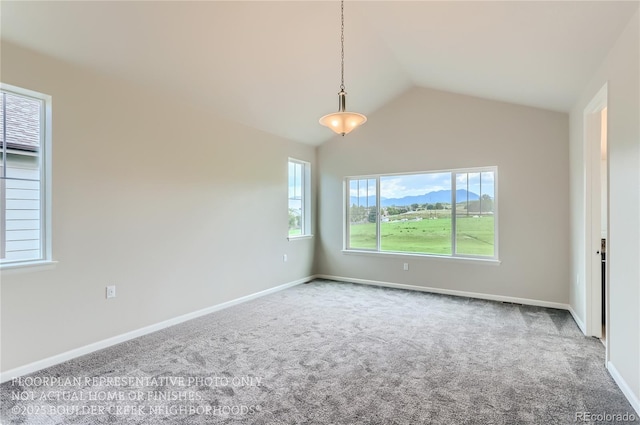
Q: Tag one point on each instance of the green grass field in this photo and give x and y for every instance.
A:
(473, 236)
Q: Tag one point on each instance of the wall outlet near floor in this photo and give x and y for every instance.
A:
(284, 258)
(111, 291)
(406, 266)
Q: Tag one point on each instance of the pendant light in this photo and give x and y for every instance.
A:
(342, 122)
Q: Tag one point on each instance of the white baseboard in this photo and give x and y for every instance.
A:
(626, 390)
(77, 352)
(477, 295)
(577, 319)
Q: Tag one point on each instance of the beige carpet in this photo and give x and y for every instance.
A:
(336, 353)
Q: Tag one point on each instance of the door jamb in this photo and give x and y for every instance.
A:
(592, 138)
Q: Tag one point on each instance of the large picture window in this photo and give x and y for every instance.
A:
(445, 213)
(24, 176)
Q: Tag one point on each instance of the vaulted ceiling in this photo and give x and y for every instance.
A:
(275, 65)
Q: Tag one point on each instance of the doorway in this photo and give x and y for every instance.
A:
(597, 216)
(604, 224)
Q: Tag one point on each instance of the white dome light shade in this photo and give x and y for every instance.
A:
(343, 122)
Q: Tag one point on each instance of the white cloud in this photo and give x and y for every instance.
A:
(399, 186)
(413, 184)
(362, 188)
(474, 180)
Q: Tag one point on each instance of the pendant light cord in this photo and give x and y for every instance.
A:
(342, 44)
(342, 122)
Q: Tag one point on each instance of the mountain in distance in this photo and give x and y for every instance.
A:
(442, 196)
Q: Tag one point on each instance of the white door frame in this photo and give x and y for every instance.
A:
(592, 212)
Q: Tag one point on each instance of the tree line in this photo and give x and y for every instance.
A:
(362, 214)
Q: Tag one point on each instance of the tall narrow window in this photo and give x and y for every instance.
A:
(24, 176)
(299, 198)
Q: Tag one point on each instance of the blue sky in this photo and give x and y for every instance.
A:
(295, 170)
(419, 184)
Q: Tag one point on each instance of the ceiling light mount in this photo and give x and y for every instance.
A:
(342, 122)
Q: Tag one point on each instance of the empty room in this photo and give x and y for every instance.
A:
(319, 212)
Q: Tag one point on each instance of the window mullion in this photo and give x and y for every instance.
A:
(454, 212)
(378, 236)
(43, 192)
(302, 200)
(4, 135)
(480, 200)
(347, 199)
(3, 182)
(3, 217)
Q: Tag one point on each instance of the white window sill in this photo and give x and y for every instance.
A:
(299, 237)
(12, 268)
(472, 260)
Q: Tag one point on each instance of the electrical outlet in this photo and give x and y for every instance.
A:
(111, 291)
(406, 266)
(284, 258)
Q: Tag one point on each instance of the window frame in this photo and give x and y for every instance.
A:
(305, 227)
(347, 206)
(454, 255)
(45, 175)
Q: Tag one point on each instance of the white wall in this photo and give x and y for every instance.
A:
(621, 70)
(177, 208)
(431, 130)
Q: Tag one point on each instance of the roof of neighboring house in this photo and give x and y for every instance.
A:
(23, 123)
